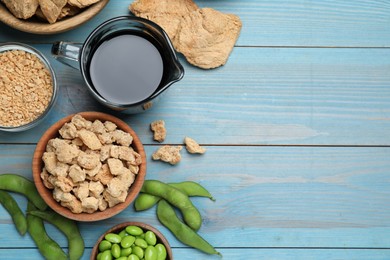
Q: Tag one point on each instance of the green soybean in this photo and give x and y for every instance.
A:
(46, 246)
(167, 216)
(19, 184)
(123, 233)
(141, 236)
(177, 198)
(145, 201)
(14, 210)
(141, 243)
(104, 245)
(133, 257)
(122, 258)
(116, 250)
(138, 251)
(134, 230)
(106, 255)
(113, 238)
(192, 188)
(161, 252)
(126, 251)
(150, 238)
(127, 241)
(68, 228)
(150, 253)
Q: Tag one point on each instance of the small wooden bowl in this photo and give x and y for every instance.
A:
(118, 228)
(47, 194)
(35, 26)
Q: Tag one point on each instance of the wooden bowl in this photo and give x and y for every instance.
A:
(47, 194)
(35, 26)
(118, 228)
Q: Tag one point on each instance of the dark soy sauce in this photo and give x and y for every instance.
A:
(126, 69)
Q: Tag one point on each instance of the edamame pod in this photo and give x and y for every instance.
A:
(177, 198)
(16, 213)
(145, 201)
(167, 216)
(19, 184)
(47, 246)
(66, 226)
(192, 188)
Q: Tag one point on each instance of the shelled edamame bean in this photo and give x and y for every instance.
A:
(131, 243)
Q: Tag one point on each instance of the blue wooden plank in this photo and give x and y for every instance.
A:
(238, 253)
(301, 197)
(261, 96)
(329, 23)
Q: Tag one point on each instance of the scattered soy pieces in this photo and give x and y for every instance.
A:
(131, 243)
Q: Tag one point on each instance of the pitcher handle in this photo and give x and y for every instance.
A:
(67, 53)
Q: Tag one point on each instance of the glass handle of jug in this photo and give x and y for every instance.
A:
(67, 53)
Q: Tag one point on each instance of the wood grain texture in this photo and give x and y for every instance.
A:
(250, 254)
(295, 124)
(328, 23)
(39, 27)
(273, 197)
(261, 96)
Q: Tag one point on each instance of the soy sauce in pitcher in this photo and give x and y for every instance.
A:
(126, 69)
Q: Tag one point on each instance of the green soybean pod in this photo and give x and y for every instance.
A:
(14, 210)
(161, 251)
(116, 250)
(167, 216)
(150, 238)
(192, 188)
(145, 201)
(177, 198)
(68, 227)
(19, 184)
(104, 245)
(46, 246)
(150, 253)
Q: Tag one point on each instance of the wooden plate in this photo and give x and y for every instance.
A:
(47, 194)
(37, 27)
(118, 228)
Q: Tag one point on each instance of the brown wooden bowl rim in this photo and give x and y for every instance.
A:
(47, 194)
(119, 227)
(46, 28)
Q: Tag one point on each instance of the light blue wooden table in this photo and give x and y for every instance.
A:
(296, 126)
